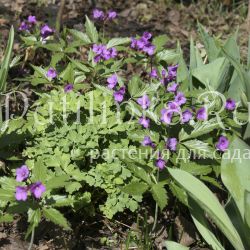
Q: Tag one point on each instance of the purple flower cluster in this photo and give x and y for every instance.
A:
(101, 16)
(36, 189)
(143, 44)
(112, 83)
(28, 24)
(46, 31)
(102, 53)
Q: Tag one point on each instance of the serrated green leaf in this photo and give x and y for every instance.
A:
(117, 41)
(200, 148)
(159, 194)
(91, 30)
(135, 188)
(83, 37)
(200, 128)
(56, 217)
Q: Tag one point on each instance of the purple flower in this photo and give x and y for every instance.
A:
(119, 94)
(148, 142)
(174, 107)
(201, 114)
(98, 14)
(22, 173)
(172, 73)
(186, 116)
(32, 19)
(230, 104)
(163, 73)
(180, 98)
(46, 31)
(149, 49)
(21, 193)
(160, 163)
(222, 144)
(153, 73)
(112, 81)
(173, 87)
(144, 122)
(133, 44)
(166, 116)
(112, 15)
(23, 26)
(113, 52)
(171, 144)
(144, 101)
(37, 189)
(51, 73)
(146, 35)
(69, 87)
(143, 44)
(97, 48)
(102, 53)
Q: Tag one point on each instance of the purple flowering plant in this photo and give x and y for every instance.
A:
(121, 94)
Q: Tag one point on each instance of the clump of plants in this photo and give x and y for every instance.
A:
(111, 120)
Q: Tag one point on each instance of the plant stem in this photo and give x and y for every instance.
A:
(32, 239)
(156, 206)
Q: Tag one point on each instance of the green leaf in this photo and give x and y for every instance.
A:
(200, 128)
(56, 217)
(57, 182)
(6, 61)
(68, 74)
(195, 57)
(6, 218)
(202, 225)
(168, 56)
(208, 201)
(83, 37)
(247, 208)
(209, 43)
(171, 245)
(235, 172)
(220, 68)
(199, 148)
(140, 173)
(61, 201)
(80, 65)
(6, 195)
(134, 85)
(160, 42)
(91, 30)
(135, 188)
(159, 194)
(117, 41)
(195, 168)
